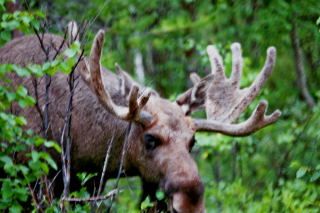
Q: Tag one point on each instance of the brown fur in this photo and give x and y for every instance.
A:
(169, 165)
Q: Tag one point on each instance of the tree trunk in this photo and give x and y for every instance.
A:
(300, 71)
(139, 68)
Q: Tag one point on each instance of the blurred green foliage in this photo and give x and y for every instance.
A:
(18, 176)
(274, 170)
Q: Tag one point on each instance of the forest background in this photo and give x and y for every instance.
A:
(160, 43)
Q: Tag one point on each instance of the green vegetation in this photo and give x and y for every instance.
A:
(274, 170)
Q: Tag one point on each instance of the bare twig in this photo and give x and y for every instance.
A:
(66, 148)
(34, 198)
(35, 86)
(124, 150)
(45, 116)
(111, 194)
(61, 45)
(300, 71)
(53, 179)
(105, 165)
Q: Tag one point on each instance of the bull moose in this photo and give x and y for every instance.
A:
(112, 109)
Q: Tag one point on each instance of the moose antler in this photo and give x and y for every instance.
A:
(92, 76)
(223, 99)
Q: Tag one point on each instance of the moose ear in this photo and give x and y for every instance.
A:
(72, 32)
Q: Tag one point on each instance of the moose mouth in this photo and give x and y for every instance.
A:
(168, 205)
(184, 201)
(181, 204)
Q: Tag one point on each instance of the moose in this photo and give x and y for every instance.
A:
(113, 110)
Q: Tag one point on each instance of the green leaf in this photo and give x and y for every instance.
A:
(301, 172)
(21, 121)
(38, 141)
(315, 176)
(11, 96)
(146, 203)
(84, 177)
(46, 66)
(65, 68)
(21, 193)
(26, 102)
(71, 52)
(6, 189)
(22, 72)
(16, 208)
(23, 169)
(52, 144)
(5, 35)
(44, 167)
(2, 2)
(21, 91)
(160, 195)
(36, 70)
(35, 156)
(6, 159)
(51, 162)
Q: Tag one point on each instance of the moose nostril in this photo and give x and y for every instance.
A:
(170, 188)
(193, 189)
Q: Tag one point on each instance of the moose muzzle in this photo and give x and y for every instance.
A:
(184, 187)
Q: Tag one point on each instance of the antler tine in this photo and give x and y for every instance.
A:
(257, 121)
(195, 78)
(259, 118)
(237, 64)
(266, 71)
(216, 62)
(136, 104)
(143, 99)
(93, 77)
(73, 32)
(133, 105)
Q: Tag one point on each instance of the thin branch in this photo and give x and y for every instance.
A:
(53, 179)
(300, 71)
(61, 45)
(38, 108)
(40, 39)
(45, 117)
(124, 149)
(46, 109)
(111, 194)
(34, 198)
(105, 165)
(66, 148)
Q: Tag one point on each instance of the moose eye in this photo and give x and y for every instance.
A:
(150, 142)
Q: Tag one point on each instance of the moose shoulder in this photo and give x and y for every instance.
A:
(158, 134)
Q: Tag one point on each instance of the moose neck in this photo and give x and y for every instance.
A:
(94, 129)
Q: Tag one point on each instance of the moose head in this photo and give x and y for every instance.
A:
(163, 133)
